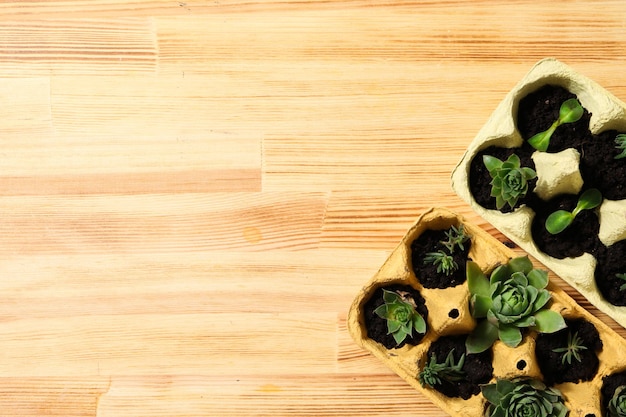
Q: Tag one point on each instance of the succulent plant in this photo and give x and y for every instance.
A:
(574, 346)
(512, 298)
(523, 398)
(435, 373)
(402, 317)
(570, 111)
(445, 263)
(620, 143)
(509, 180)
(617, 403)
(455, 237)
(561, 219)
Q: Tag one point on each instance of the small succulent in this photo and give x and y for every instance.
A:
(445, 263)
(512, 298)
(573, 348)
(509, 180)
(455, 237)
(435, 373)
(561, 219)
(523, 398)
(402, 318)
(620, 143)
(617, 403)
(571, 111)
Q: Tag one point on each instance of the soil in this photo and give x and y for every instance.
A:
(551, 364)
(426, 274)
(599, 169)
(609, 384)
(377, 326)
(477, 366)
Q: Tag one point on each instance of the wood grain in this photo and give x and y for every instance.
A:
(193, 192)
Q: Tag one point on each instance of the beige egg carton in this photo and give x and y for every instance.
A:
(582, 399)
(556, 175)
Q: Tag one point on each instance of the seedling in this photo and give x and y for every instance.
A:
(573, 348)
(435, 373)
(509, 181)
(561, 219)
(402, 318)
(571, 111)
(455, 237)
(445, 263)
(623, 278)
(512, 298)
(620, 143)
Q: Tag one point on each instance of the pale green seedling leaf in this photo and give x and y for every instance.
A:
(559, 221)
(588, 200)
(571, 111)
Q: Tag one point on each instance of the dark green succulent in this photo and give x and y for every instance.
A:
(570, 111)
(509, 180)
(573, 348)
(617, 403)
(623, 278)
(523, 398)
(401, 315)
(512, 298)
(445, 263)
(435, 373)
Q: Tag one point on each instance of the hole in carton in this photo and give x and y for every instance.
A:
(521, 364)
(454, 313)
(590, 415)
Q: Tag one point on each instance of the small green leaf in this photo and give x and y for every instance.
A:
(571, 111)
(479, 305)
(521, 264)
(591, 198)
(393, 326)
(482, 338)
(419, 324)
(491, 163)
(549, 321)
(541, 140)
(501, 273)
(542, 299)
(399, 337)
(490, 392)
(477, 282)
(538, 278)
(559, 221)
(510, 335)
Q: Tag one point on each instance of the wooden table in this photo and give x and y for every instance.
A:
(193, 192)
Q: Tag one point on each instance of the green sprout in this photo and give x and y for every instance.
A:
(620, 143)
(617, 403)
(455, 237)
(445, 263)
(435, 373)
(561, 219)
(509, 181)
(623, 278)
(514, 297)
(573, 348)
(402, 318)
(571, 111)
(523, 398)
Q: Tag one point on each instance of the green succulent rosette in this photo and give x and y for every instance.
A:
(509, 180)
(401, 315)
(514, 297)
(523, 398)
(617, 404)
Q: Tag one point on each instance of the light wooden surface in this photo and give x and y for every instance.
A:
(193, 192)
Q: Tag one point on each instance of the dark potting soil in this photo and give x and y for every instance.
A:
(377, 326)
(551, 364)
(598, 168)
(426, 273)
(609, 384)
(611, 261)
(477, 366)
